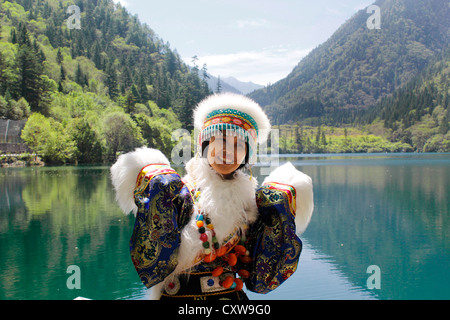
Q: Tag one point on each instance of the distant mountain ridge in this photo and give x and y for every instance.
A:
(244, 87)
(358, 66)
(233, 85)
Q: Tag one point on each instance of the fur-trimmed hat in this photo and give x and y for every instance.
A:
(235, 114)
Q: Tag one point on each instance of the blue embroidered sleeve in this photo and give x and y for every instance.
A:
(274, 245)
(164, 206)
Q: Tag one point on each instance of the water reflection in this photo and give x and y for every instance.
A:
(318, 278)
(390, 211)
(52, 218)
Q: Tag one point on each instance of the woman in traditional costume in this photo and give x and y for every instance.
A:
(206, 235)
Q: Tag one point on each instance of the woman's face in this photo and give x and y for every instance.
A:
(226, 154)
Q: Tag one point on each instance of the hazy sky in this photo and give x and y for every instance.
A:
(253, 40)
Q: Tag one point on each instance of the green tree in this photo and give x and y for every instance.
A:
(87, 141)
(318, 135)
(131, 99)
(32, 84)
(157, 134)
(142, 89)
(29, 76)
(18, 110)
(3, 108)
(63, 73)
(299, 138)
(79, 77)
(111, 81)
(59, 57)
(323, 139)
(219, 85)
(13, 36)
(48, 138)
(121, 134)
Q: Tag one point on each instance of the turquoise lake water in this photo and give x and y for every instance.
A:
(391, 211)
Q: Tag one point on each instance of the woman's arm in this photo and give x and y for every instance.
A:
(274, 244)
(146, 185)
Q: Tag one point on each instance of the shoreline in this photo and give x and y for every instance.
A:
(20, 160)
(32, 160)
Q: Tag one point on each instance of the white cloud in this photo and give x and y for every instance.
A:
(250, 23)
(124, 3)
(263, 66)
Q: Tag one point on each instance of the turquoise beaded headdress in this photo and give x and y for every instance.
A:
(232, 115)
(233, 123)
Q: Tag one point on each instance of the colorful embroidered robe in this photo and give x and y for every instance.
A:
(165, 205)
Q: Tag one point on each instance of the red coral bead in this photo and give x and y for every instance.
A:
(204, 237)
(221, 252)
(232, 260)
(209, 258)
(228, 282)
(246, 259)
(240, 249)
(217, 272)
(244, 273)
(239, 284)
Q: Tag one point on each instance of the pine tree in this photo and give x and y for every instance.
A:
(298, 138)
(205, 78)
(318, 135)
(142, 89)
(13, 36)
(111, 81)
(194, 62)
(323, 140)
(97, 58)
(205, 75)
(30, 71)
(219, 85)
(131, 99)
(63, 73)
(87, 142)
(59, 57)
(79, 78)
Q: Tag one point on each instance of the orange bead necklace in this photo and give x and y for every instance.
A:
(240, 252)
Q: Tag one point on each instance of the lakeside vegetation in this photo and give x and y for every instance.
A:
(93, 92)
(325, 139)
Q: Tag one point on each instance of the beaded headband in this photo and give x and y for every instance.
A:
(234, 123)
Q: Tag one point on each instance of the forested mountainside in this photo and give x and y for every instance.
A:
(415, 118)
(358, 66)
(91, 79)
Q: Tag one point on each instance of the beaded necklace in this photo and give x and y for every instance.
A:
(240, 252)
(203, 223)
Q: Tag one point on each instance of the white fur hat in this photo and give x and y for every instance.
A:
(237, 115)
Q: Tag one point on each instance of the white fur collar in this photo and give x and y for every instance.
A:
(230, 204)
